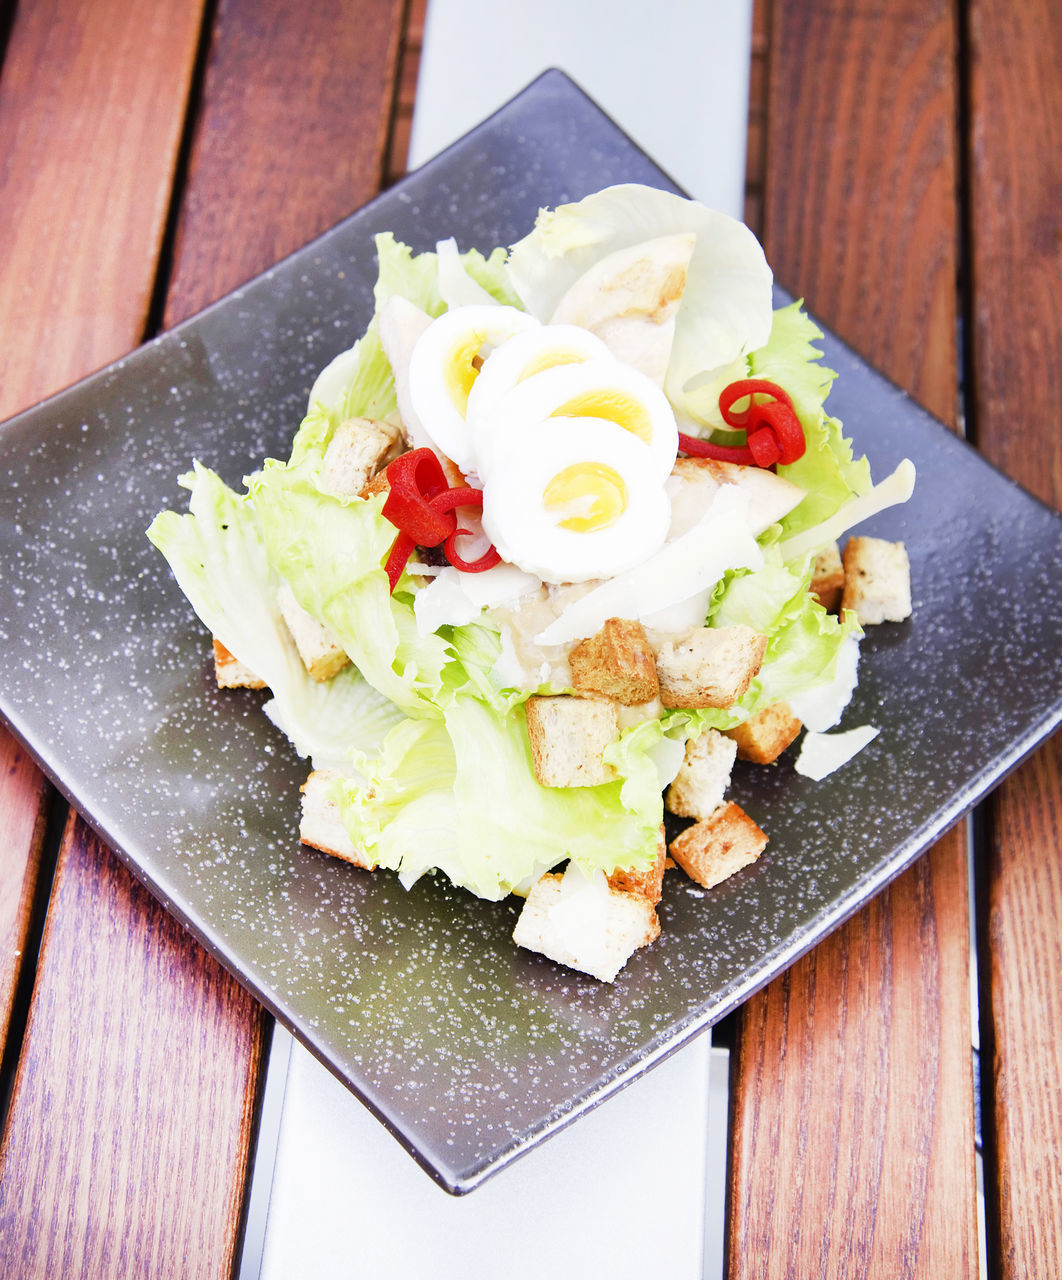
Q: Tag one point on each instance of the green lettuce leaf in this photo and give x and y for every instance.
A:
(803, 640)
(415, 276)
(827, 471)
(430, 801)
(218, 557)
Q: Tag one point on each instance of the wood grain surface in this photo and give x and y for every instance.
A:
(853, 1144)
(1016, 370)
(92, 100)
(83, 198)
(292, 138)
(127, 1143)
(132, 1089)
(23, 801)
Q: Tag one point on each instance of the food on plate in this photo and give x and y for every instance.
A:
(557, 538)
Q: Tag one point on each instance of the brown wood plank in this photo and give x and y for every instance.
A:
(83, 196)
(85, 180)
(293, 137)
(853, 1149)
(131, 1120)
(133, 1069)
(23, 797)
(1016, 369)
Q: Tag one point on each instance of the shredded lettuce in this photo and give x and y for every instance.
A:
(218, 557)
(423, 807)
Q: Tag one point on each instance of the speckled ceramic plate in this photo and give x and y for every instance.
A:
(469, 1050)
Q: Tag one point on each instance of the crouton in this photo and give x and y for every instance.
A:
(598, 941)
(647, 884)
(763, 737)
(568, 736)
(704, 776)
(231, 673)
(709, 666)
(877, 580)
(716, 847)
(321, 825)
(321, 655)
(618, 662)
(827, 578)
(358, 449)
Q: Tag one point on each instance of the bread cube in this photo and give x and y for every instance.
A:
(763, 737)
(621, 924)
(231, 673)
(321, 824)
(321, 655)
(647, 884)
(709, 666)
(358, 449)
(568, 736)
(877, 580)
(827, 578)
(713, 849)
(618, 662)
(703, 777)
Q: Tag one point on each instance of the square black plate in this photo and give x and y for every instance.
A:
(469, 1050)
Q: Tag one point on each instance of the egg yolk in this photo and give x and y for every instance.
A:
(550, 360)
(615, 406)
(462, 369)
(593, 496)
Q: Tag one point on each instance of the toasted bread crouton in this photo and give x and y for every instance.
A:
(704, 776)
(709, 666)
(321, 825)
(358, 449)
(598, 941)
(877, 580)
(380, 483)
(827, 578)
(321, 655)
(568, 737)
(618, 662)
(647, 884)
(763, 737)
(716, 847)
(231, 673)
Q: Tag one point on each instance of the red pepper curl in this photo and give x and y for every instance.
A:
(420, 503)
(773, 432)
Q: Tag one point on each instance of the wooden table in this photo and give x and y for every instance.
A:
(906, 176)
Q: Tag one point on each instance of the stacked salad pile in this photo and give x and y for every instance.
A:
(536, 400)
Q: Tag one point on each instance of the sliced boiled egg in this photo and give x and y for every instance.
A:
(605, 390)
(444, 367)
(575, 500)
(525, 354)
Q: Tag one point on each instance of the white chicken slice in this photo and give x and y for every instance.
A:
(630, 298)
(694, 481)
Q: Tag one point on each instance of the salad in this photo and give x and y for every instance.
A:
(554, 543)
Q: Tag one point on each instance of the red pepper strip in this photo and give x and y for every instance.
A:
(487, 560)
(698, 448)
(398, 557)
(414, 479)
(750, 387)
(772, 431)
(464, 497)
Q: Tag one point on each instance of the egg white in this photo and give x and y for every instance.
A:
(440, 368)
(528, 532)
(601, 389)
(523, 356)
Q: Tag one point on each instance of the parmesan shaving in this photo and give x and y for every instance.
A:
(890, 492)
